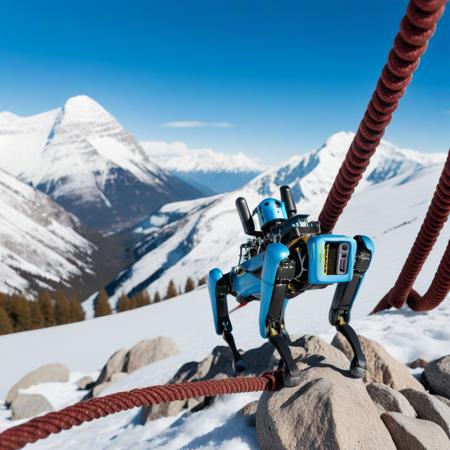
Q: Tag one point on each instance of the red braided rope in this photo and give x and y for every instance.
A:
(433, 223)
(416, 29)
(41, 427)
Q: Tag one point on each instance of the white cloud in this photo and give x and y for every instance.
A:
(196, 124)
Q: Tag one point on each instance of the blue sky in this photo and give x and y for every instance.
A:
(269, 78)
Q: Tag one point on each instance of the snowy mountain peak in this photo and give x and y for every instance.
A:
(89, 163)
(82, 108)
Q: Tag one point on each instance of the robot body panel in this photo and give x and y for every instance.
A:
(319, 247)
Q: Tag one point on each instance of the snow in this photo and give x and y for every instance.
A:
(22, 140)
(72, 150)
(38, 238)
(405, 334)
(177, 156)
(189, 238)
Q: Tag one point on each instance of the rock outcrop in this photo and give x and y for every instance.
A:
(388, 399)
(409, 433)
(317, 413)
(381, 366)
(29, 405)
(149, 351)
(429, 408)
(437, 373)
(44, 374)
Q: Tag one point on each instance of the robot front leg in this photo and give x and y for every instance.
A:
(343, 300)
(219, 287)
(276, 273)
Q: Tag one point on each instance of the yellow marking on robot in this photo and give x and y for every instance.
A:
(325, 264)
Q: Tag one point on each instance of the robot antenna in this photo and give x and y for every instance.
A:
(288, 200)
(245, 216)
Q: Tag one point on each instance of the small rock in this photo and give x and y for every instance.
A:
(44, 374)
(429, 408)
(249, 413)
(328, 410)
(29, 405)
(148, 351)
(410, 433)
(84, 382)
(115, 363)
(389, 399)
(118, 376)
(437, 373)
(418, 363)
(381, 366)
(99, 388)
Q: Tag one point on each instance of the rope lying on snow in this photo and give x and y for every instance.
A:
(54, 422)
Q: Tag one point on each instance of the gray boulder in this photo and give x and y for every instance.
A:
(44, 374)
(249, 413)
(84, 382)
(219, 364)
(429, 408)
(381, 366)
(410, 433)
(437, 373)
(99, 388)
(29, 405)
(328, 410)
(115, 363)
(148, 351)
(388, 399)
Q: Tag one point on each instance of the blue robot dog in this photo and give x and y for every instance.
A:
(286, 257)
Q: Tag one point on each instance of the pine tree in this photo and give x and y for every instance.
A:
(145, 300)
(157, 297)
(171, 290)
(202, 280)
(123, 303)
(37, 319)
(190, 285)
(47, 308)
(61, 308)
(102, 306)
(133, 302)
(76, 312)
(20, 313)
(6, 325)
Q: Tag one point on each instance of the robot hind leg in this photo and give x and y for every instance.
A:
(219, 287)
(343, 300)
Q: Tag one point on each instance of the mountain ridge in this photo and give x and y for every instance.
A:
(89, 164)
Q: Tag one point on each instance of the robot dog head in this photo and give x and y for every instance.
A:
(270, 211)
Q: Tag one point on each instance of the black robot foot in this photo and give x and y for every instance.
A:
(358, 372)
(291, 380)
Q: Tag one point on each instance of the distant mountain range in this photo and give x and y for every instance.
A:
(205, 168)
(87, 162)
(191, 237)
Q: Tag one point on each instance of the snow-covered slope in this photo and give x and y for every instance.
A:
(189, 238)
(41, 245)
(89, 164)
(22, 140)
(187, 319)
(218, 172)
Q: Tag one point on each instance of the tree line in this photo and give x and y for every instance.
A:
(17, 313)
